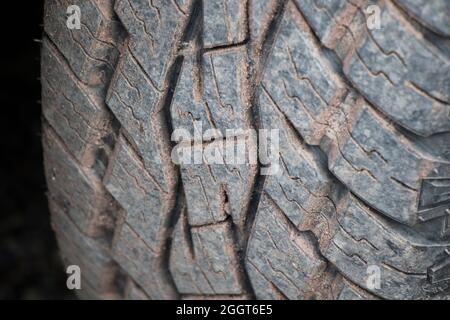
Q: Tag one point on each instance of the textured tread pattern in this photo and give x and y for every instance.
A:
(212, 85)
(361, 184)
(74, 114)
(350, 235)
(79, 134)
(89, 53)
(131, 252)
(137, 95)
(363, 148)
(396, 76)
(403, 258)
(281, 257)
(217, 190)
(432, 15)
(88, 254)
(76, 190)
(155, 29)
(224, 22)
(202, 262)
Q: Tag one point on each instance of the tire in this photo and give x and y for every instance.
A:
(359, 204)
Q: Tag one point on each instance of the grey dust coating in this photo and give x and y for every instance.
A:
(360, 207)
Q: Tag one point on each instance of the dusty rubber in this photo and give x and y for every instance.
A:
(364, 123)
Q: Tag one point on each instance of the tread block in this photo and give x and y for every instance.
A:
(393, 67)
(203, 260)
(220, 101)
(188, 275)
(433, 15)
(322, 16)
(217, 190)
(98, 270)
(278, 255)
(260, 12)
(365, 239)
(142, 263)
(308, 198)
(407, 79)
(82, 123)
(133, 100)
(440, 272)
(91, 51)
(336, 23)
(224, 22)
(302, 185)
(298, 80)
(80, 193)
(434, 205)
(146, 204)
(375, 154)
(362, 147)
(155, 28)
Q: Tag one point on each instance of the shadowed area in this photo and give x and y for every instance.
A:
(29, 264)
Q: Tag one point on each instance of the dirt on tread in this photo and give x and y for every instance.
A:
(363, 117)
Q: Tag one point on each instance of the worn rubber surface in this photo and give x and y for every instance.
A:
(364, 148)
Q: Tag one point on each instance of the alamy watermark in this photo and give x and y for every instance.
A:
(73, 17)
(232, 147)
(373, 280)
(373, 17)
(74, 277)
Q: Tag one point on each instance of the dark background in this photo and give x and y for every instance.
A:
(29, 263)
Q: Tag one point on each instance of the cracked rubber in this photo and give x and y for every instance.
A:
(364, 148)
